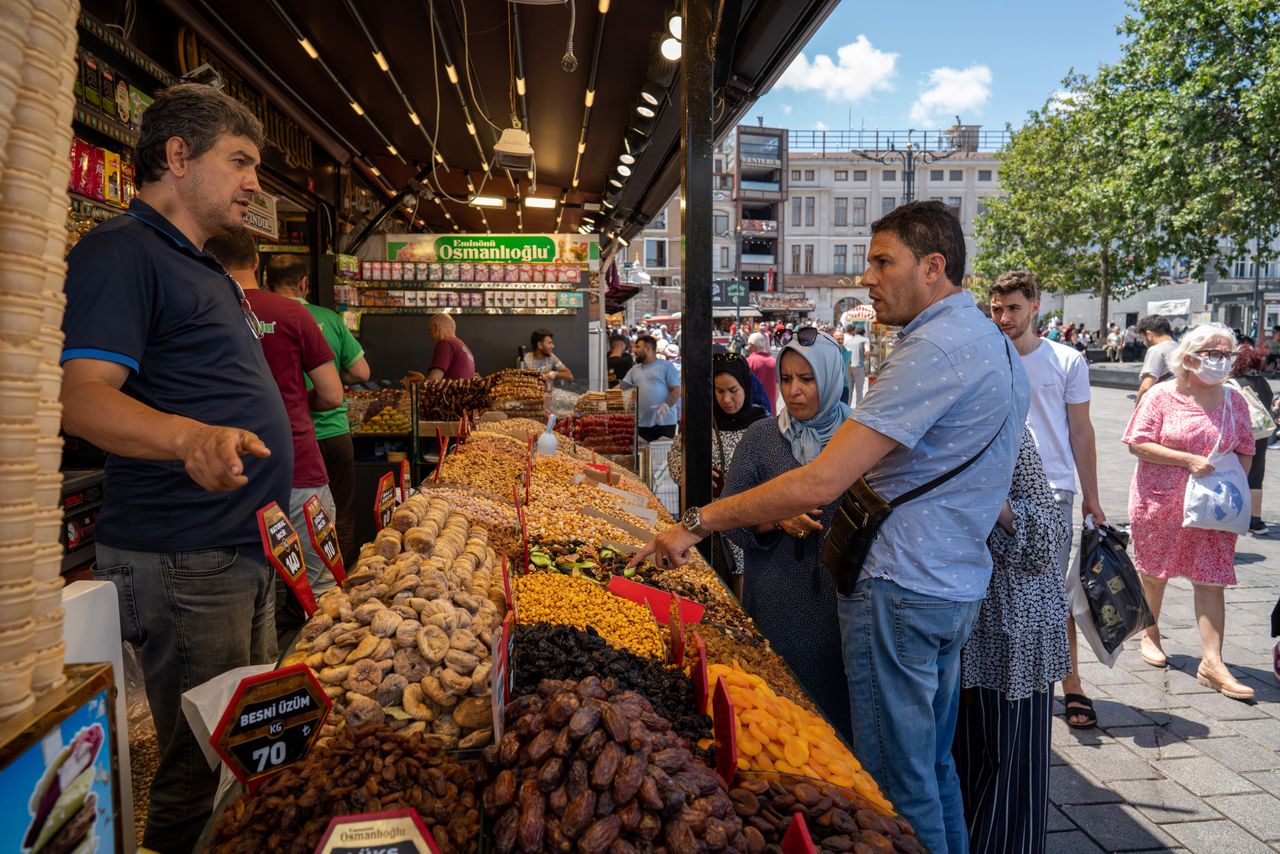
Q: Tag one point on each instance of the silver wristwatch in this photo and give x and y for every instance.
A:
(692, 522)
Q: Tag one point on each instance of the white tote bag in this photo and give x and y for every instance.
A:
(1219, 501)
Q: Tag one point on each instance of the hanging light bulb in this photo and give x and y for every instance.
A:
(670, 49)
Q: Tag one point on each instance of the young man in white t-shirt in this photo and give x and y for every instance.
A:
(1059, 421)
(859, 347)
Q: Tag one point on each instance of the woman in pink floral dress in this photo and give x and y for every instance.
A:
(1172, 432)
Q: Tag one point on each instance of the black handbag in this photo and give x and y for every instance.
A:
(861, 513)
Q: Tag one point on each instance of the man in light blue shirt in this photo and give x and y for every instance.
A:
(657, 384)
(951, 386)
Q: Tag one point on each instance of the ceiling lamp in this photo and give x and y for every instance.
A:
(622, 240)
(674, 25)
(645, 110)
(381, 60)
(539, 202)
(671, 49)
(627, 158)
(488, 202)
(624, 170)
(359, 110)
(309, 48)
(649, 94)
(614, 182)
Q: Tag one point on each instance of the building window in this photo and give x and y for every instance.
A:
(795, 211)
(719, 165)
(1239, 269)
(808, 257)
(795, 258)
(795, 174)
(859, 174)
(840, 261)
(935, 174)
(954, 203)
(720, 223)
(860, 210)
(984, 174)
(982, 207)
(809, 203)
(724, 257)
(655, 253)
(842, 174)
(859, 260)
(808, 174)
(957, 175)
(842, 212)
(663, 304)
(659, 222)
(887, 204)
(889, 175)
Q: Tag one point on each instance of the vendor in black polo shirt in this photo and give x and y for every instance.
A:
(163, 370)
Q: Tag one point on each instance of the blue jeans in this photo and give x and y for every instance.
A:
(192, 616)
(902, 659)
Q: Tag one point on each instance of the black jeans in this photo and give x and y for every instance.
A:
(656, 432)
(340, 461)
(192, 616)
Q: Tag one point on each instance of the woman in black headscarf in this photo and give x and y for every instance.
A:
(734, 413)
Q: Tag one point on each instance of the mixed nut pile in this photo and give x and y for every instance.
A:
(585, 764)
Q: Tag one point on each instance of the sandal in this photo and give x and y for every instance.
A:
(1152, 654)
(1079, 706)
(1227, 686)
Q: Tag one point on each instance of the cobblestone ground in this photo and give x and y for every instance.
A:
(1174, 766)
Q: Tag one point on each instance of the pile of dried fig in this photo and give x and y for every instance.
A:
(586, 766)
(363, 771)
(408, 641)
(838, 820)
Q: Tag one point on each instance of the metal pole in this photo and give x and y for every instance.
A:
(1257, 291)
(696, 144)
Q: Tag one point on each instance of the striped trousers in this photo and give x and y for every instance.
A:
(1001, 751)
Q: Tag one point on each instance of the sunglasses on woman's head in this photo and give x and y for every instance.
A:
(807, 335)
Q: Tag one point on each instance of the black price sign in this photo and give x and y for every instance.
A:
(271, 722)
(384, 503)
(392, 832)
(284, 551)
(324, 539)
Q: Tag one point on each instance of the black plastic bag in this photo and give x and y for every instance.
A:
(1111, 586)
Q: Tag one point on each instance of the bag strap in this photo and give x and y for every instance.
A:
(1226, 418)
(913, 494)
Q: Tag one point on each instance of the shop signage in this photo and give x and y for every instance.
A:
(761, 226)
(493, 248)
(726, 733)
(324, 539)
(784, 303)
(279, 129)
(728, 293)
(261, 216)
(1169, 307)
(392, 832)
(271, 722)
(384, 500)
(284, 551)
(569, 300)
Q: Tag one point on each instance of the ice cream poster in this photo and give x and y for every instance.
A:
(61, 799)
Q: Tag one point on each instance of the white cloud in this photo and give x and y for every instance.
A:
(952, 91)
(858, 70)
(820, 125)
(1064, 100)
(786, 109)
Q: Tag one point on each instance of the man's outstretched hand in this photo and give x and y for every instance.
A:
(669, 549)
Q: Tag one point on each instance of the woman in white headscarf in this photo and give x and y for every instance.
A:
(788, 593)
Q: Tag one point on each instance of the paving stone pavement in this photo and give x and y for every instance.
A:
(1173, 765)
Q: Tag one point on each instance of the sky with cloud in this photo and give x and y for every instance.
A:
(899, 66)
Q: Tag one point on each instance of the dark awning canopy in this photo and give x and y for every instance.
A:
(408, 126)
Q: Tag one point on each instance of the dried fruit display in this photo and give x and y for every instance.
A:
(548, 597)
(837, 819)
(584, 764)
(700, 583)
(775, 734)
(369, 770)
(447, 400)
(484, 470)
(724, 647)
(544, 651)
(604, 434)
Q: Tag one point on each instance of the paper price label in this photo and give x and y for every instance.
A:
(284, 552)
(384, 503)
(324, 538)
(271, 722)
(392, 832)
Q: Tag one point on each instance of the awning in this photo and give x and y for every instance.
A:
(859, 313)
(727, 311)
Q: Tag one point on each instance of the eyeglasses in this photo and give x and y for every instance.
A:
(1214, 354)
(255, 325)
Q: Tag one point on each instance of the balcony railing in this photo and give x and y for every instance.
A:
(837, 142)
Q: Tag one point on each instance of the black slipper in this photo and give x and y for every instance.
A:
(1082, 708)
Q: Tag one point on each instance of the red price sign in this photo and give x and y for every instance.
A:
(699, 674)
(384, 500)
(659, 600)
(271, 722)
(797, 839)
(726, 734)
(406, 479)
(398, 831)
(324, 539)
(502, 675)
(284, 552)
(677, 644)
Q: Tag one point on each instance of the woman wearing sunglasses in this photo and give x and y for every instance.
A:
(788, 593)
(1178, 424)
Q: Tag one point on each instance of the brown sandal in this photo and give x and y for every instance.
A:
(1229, 687)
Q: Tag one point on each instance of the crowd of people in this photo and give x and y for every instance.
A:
(958, 619)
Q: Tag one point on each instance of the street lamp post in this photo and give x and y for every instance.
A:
(909, 157)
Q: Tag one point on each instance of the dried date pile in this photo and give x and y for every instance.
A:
(544, 651)
(583, 766)
(838, 820)
(363, 771)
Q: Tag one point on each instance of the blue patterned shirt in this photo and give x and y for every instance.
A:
(942, 394)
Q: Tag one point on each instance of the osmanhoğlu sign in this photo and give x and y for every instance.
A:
(524, 250)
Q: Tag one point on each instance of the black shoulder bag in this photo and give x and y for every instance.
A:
(862, 511)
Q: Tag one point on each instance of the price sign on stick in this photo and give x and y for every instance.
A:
(502, 674)
(271, 722)
(726, 734)
(392, 832)
(406, 480)
(797, 839)
(700, 673)
(384, 500)
(284, 552)
(324, 539)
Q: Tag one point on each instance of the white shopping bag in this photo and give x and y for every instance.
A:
(1219, 500)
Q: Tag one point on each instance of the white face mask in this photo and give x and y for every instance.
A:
(1213, 370)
